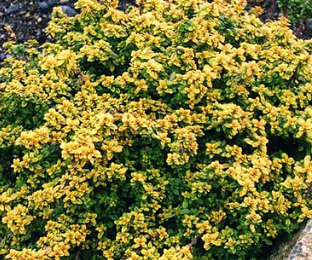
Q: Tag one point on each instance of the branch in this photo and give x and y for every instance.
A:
(77, 255)
(193, 241)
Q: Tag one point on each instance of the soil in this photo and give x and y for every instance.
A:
(28, 18)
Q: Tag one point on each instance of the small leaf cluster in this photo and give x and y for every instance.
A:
(179, 129)
(297, 10)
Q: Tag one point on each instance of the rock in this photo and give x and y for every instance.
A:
(64, 2)
(51, 2)
(2, 56)
(282, 251)
(13, 8)
(299, 247)
(68, 10)
(303, 247)
(309, 24)
(43, 5)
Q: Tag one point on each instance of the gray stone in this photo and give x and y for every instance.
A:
(299, 247)
(282, 251)
(64, 2)
(51, 2)
(303, 248)
(68, 10)
(309, 24)
(2, 56)
(43, 5)
(13, 8)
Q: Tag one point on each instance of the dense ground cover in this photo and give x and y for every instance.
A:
(176, 130)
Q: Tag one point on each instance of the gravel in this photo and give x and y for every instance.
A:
(29, 18)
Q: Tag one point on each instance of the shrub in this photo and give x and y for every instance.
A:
(176, 130)
(297, 10)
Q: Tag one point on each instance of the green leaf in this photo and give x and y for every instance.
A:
(168, 215)
(185, 211)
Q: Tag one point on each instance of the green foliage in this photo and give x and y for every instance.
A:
(297, 10)
(176, 130)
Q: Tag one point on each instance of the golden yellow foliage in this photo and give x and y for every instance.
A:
(177, 129)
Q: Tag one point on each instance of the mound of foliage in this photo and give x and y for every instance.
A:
(180, 129)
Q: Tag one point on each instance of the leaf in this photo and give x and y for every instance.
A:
(185, 211)
(168, 215)
(175, 191)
